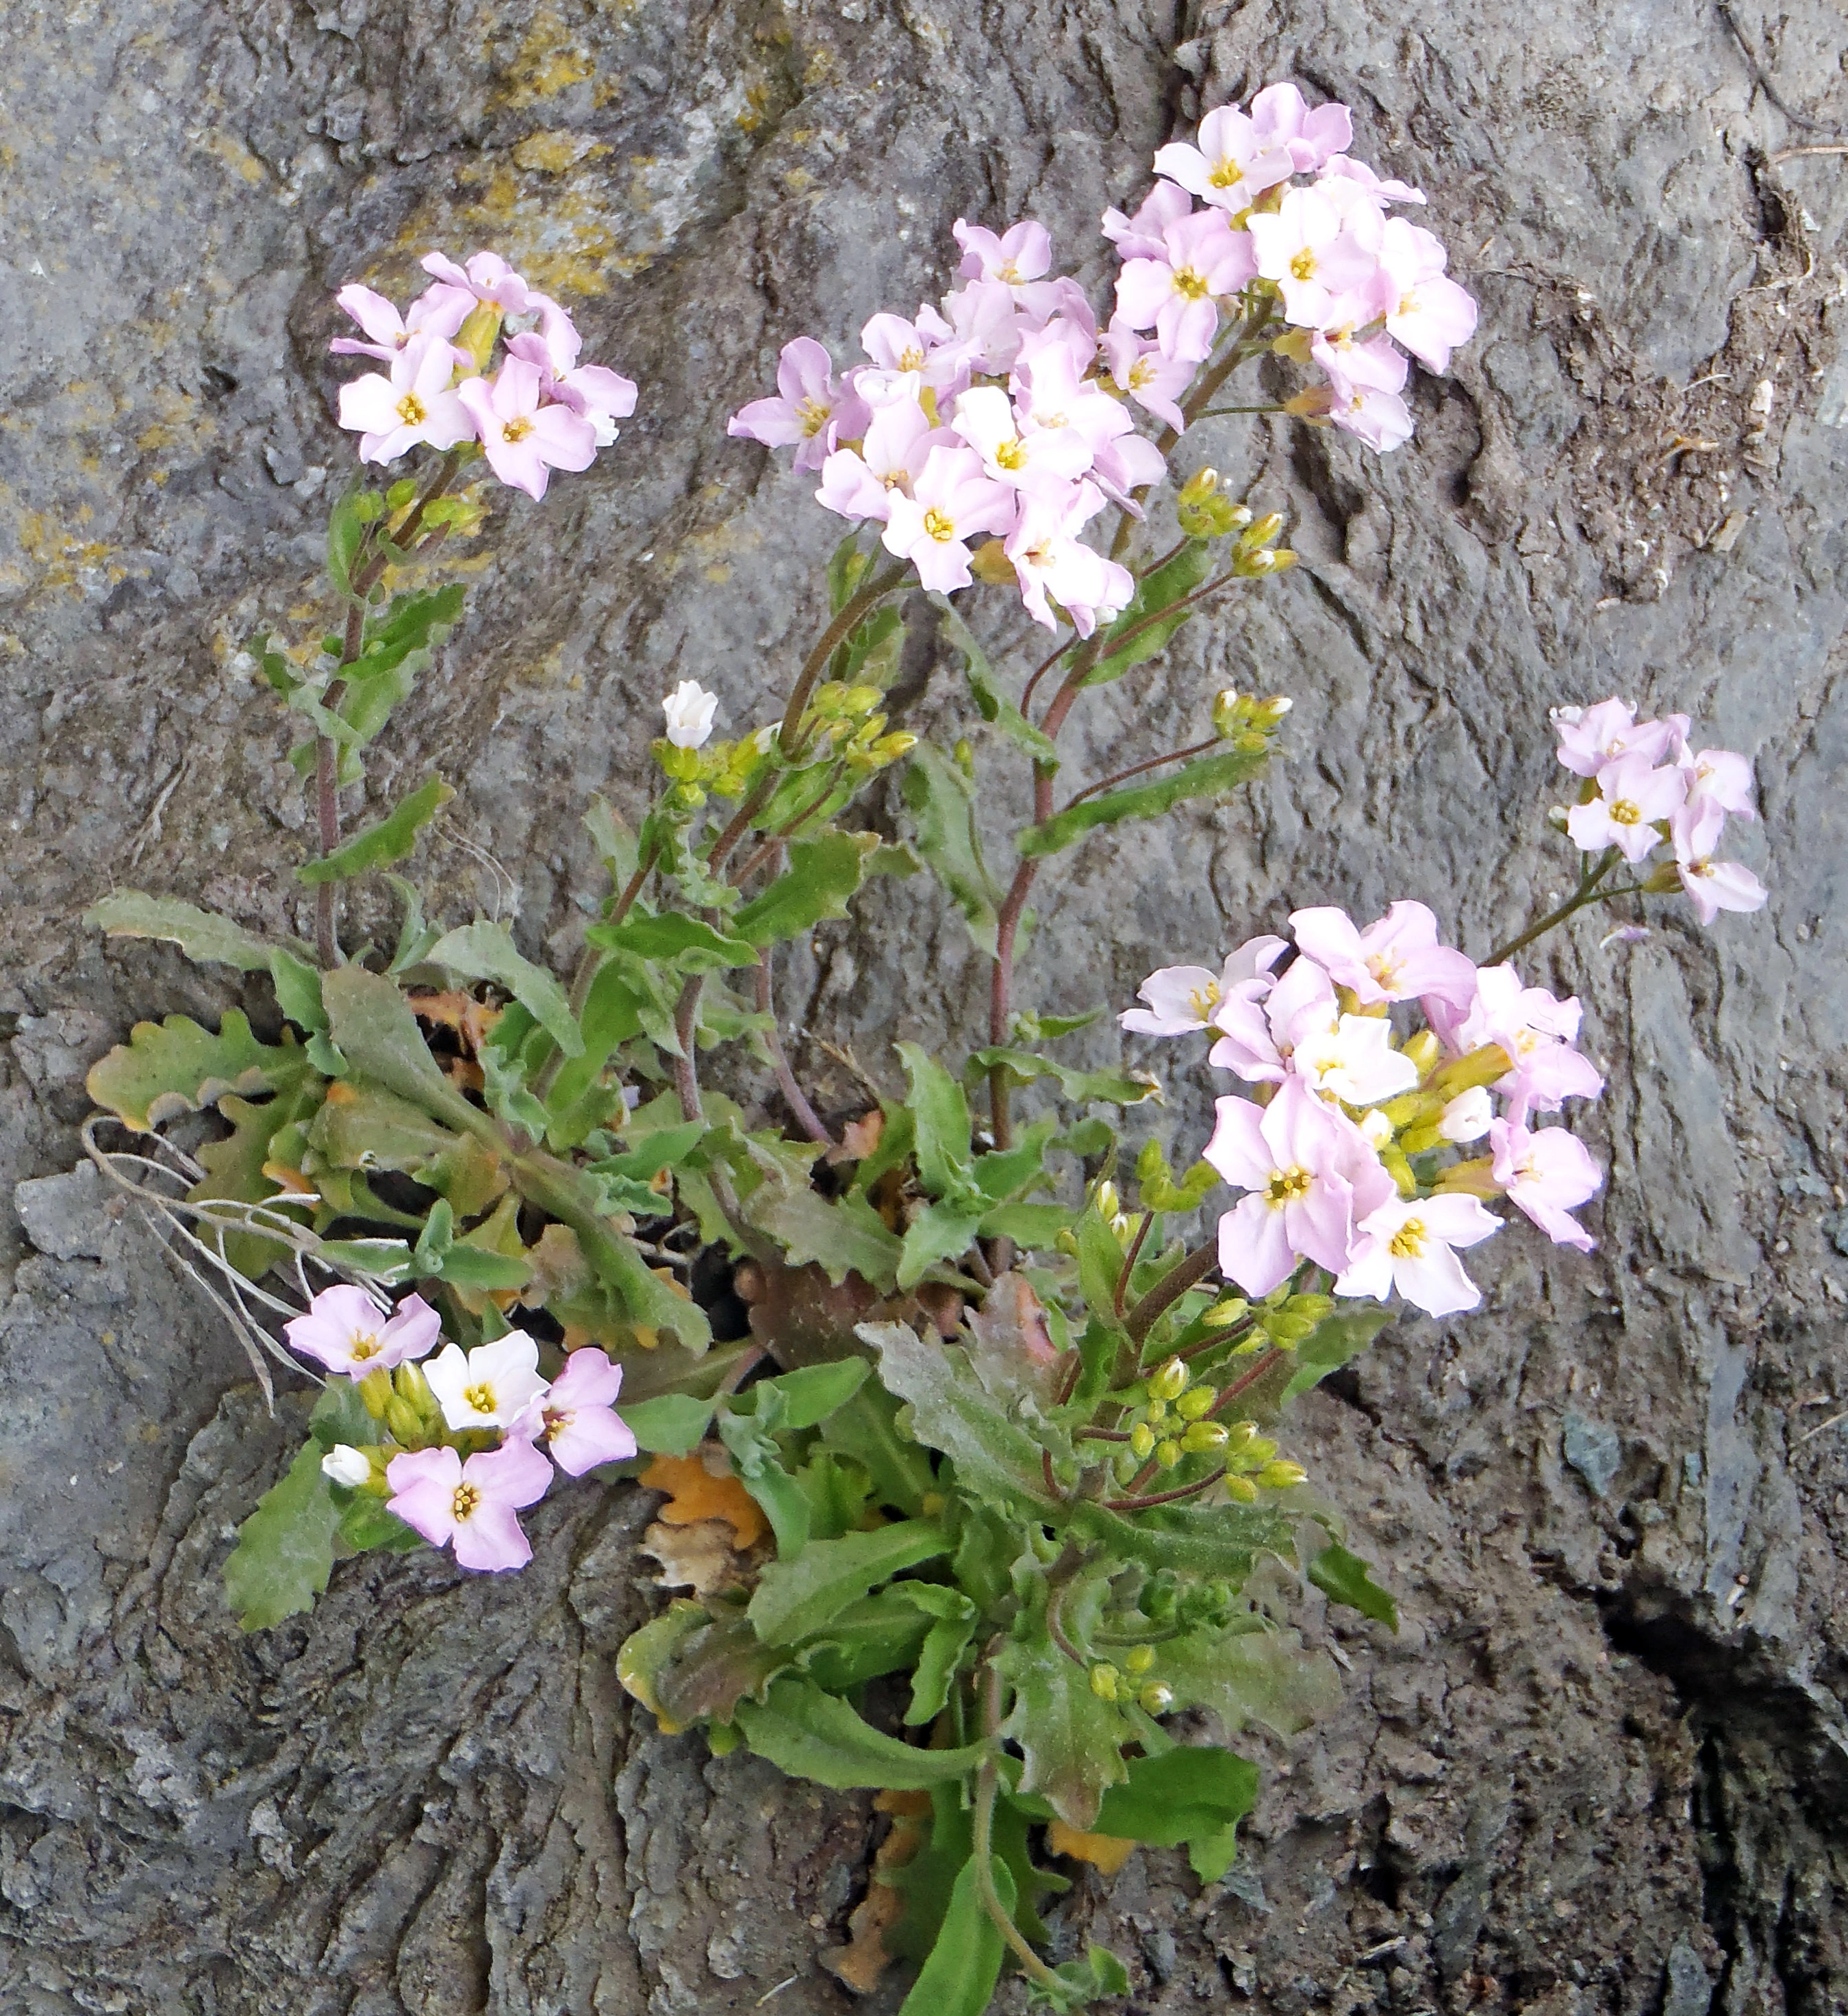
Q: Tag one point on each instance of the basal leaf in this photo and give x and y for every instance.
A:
(795, 1600)
(386, 840)
(940, 1115)
(672, 1424)
(285, 1550)
(1335, 1340)
(715, 1669)
(371, 1024)
(1071, 1739)
(822, 874)
(175, 1067)
(484, 951)
(940, 1232)
(1207, 776)
(845, 1237)
(1345, 1577)
(954, 1618)
(200, 934)
(236, 1169)
(647, 1654)
(1251, 1675)
(1182, 1795)
(810, 1735)
(958, 1978)
(298, 990)
(691, 945)
(1215, 1542)
(806, 1397)
(993, 704)
(942, 803)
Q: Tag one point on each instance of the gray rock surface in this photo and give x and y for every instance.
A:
(1604, 1765)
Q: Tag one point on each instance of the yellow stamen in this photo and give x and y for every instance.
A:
(1226, 174)
(1191, 286)
(1303, 266)
(940, 528)
(363, 1347)
(813, 415)
(412, 410)
(462, 1505)
(1408, 1243)
(516, 431)
(480, 1397)
(1625, 812)
(1011, 454)
(1285, 1187)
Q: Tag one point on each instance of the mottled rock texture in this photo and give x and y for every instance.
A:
(1603, 1767)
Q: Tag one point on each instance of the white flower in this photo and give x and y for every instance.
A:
(690, 711)
(1409, 1245)
(1467, 1117)
(345, 1464)
(489, 1386)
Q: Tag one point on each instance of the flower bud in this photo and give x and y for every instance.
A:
(1423, 1049)
(1376, 1127)
(1168, 1453)
(1293, 343)
(1109, 1204)
(1170, 1380)
(861, 699)
(1228, 1312)
(1155, 1699)
(1150, 1160)
(1142, 1441)
(1105, 1682)
(1198, 487)
(1268, 713)
(375, 1393)
(1139, 1660)
(1203, 1437)
(1197, 1400)
(1466, 1117)
(1239, 1436)
(1261, 532)
(892, 748)
(1157, 1411)
(1262, 1450)
(1556, 818)
(1316, 1308)
(989, 563)
(964, 755)
(1229, 713)
(1282, 1475)
(1243, 1489)
(1065, 1241)
(345, 1464)
(1287, 1330)
(476, 334)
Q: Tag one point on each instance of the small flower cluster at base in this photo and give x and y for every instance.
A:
(429, 1468)
(1344, 1154)
(542, 409)
(1645, 789)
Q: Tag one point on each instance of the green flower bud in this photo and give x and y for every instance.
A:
(1157, 1411)
(1316, 1308)
(1170, 1380)
(1287, 1330)
(1109, 1204)
(1228, 1312)
(1155, 1699)
(375, 1393)
(1239, 1436)
(989, 563)
(1139, 1660)
(1168, 1453)
(964, 756)
(1197, 1400)
(1281, 1475)
(892, 748)
(1203, 1436)
(1142, 1441)
(1105, 1681)
(1243, 1489)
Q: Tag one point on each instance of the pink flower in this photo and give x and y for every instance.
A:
(1315, 253)
(811, 411)
(1280, 118)
(1140, 237)
(1037, 462)
(1021, 254)
(899, 437)
(524, 441)
(602, 396)
(907, 357)
(1632, 795)
(1183, 998)
(347, 1332)
(393, 414)
(1589, 737)
(987, 327)
(1712, 886)
(1426, 310)
(1202, 256)
(1154, 381)
(438, 311)
(1397, 958)
(952, 501)
(1373, 365)
(473, 1506)
(690, 711)
(1546, 1175)
(1053, 564)
(1410, 1244)
(1309, 1171)
(1349, 1058)
(1383, 189)
(1257, 1018)
(1382, 420)
(489, 1387)
(1720, 780)
(1534, 1029)
(1467, 1117)
(575, 1418)
(489, 278)
(1232, 166)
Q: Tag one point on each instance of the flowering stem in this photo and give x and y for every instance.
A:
(987, 1784)
(1140, 1504)
(806, 1117)
(1167, 1291)
(1586, 894)
(1246, 1380)
(590, 963)
(1136, 769)
(687, 1076)
(857, 605)
(1129, 1259)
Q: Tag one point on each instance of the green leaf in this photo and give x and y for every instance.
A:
(1071, 1739)
(714, 1668)
(822, 874)
(847, 568)
(759, 1462)
(367, 1523)
(175, 1067)
(200, 934)
(1116, 1088)
(1206, 776)
(1170, 583)
(673, 1424)
(845, 1237)
(371, 1024)
(954, 1618)
(1216, 1543)
(940, 1115)
(805, 1398)
(346, 529)
(810, 1735)
(1345, 1577)
(942, 803)
(1034, 1226)
(487, 951)
(686, 942)
(1251, 1675)
(991, 703)
(872, 655)
(995, 1459)
(386, 840)
(865, 1429)
(298, 990)
(234, 1167)
(940, 1232)
(1186, 1794)
(285, 1550)
(959, 1976)
(1333, 1341)
(795, 1600)
(878, 1634)
(645, 1654)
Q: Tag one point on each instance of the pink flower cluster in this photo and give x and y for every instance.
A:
(1342, 1154)
(1003, 411)
(471, 1503)
(542, 410)
(1645, 788)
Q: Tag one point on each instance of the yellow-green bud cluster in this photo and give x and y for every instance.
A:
(1286, 1322)
(1256, 551)
(1204, 511)
(1132, 1683)
(1246, 721)
(845, 721)
(1155, 1182)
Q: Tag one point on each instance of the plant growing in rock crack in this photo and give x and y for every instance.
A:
(992, 1491)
